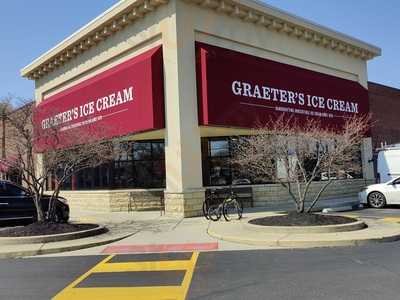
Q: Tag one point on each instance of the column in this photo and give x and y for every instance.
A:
(366, 158)
(184, 192)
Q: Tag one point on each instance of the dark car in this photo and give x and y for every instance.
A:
(16, 203)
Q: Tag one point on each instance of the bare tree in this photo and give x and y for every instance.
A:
(6, 108)
(40, 154)
(295, 155)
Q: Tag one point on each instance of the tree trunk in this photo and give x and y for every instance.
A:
(300, 206)
(52, 208)
(39, 210)
(319, 195)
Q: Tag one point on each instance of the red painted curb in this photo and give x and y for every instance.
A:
(116, 249)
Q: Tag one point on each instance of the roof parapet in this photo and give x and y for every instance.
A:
(128, 11)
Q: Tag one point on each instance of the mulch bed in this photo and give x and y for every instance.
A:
(301, 219)
(36, 229)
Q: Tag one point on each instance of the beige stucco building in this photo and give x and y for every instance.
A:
(183, 29)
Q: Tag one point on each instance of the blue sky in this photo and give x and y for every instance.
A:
(29, 28)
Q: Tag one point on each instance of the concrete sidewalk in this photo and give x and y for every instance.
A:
(151, 228)
(147, 230)
(154, 231)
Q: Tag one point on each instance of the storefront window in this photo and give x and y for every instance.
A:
(217, 166)
(219, 170)
(149, 164)
(139, 164)
(352, 170)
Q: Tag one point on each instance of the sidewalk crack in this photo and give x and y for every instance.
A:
(177, 224)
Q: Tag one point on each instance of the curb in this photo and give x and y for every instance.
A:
(337, 209)
(376, 232)
(304, 243)
(51, 248)
(356, 225)
(53, 238)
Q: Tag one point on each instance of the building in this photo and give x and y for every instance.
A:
(8, 134)
(180, 79)
(385, 129)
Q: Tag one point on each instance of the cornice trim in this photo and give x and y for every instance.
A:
(279, 21)
(101, 28)
(128, 11)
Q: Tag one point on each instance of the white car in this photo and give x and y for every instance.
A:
(378, 195)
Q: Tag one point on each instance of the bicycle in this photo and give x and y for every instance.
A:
(232, 207)
(228, 208)
(210, 200)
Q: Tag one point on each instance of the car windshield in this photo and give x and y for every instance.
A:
(11, 189)
(394, 181)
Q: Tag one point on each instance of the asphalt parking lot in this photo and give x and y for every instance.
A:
(347, 273)
(387, 212)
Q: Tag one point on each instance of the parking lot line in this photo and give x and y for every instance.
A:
(178, 292)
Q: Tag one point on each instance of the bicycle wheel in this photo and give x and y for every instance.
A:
(214, 212)
(232, 210)
(205, 210)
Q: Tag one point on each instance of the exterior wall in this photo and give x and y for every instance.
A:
(88, 200)
(275, 194)
(265, 195)
(114, 200)
(215, 28)
(234, 33)
(385, 107)
(131, 41)
(188, 204)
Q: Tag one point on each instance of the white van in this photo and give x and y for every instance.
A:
(388, 163)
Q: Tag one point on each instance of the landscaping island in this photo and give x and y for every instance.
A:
(301, 219)
(40, 229)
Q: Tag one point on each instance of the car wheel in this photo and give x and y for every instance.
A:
(59, 218)
(376, 200)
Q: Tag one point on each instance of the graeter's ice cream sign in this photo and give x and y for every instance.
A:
(271, 94)
(122, 100)
(236, 89)
(100, 108)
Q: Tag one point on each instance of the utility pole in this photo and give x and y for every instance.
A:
(3, 136)
(4, 110)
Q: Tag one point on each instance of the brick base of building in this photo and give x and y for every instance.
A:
(115, 200)
(189, 204)
(275, 194)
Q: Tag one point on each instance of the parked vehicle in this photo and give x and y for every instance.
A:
(388, 163)
(379, 195)
(16, 203)
(334, 176)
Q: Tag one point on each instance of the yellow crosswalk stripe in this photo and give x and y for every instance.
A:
(129, 293)
(134, 293)
(143, 266)
(351, 216)
(392, 219)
